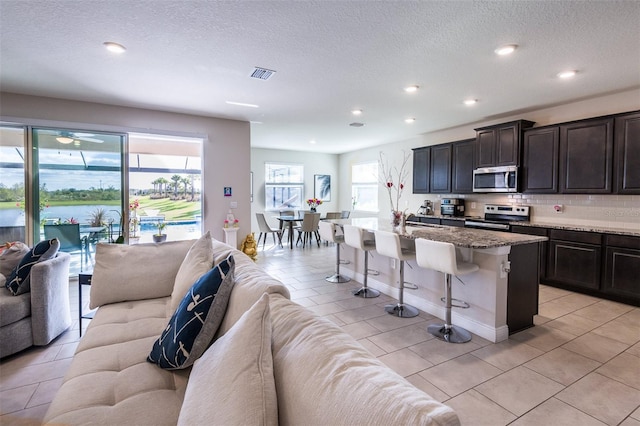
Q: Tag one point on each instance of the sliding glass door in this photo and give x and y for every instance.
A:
(13, 211)
(78, 189)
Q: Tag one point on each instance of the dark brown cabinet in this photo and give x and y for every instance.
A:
(462, 166)
(574, 258)
(622, 266)
(452, 222)
(499, 145)
(586, 156)
(542, 247)
(540, 160)
(440, 176)
(421, 170)
(627, 156)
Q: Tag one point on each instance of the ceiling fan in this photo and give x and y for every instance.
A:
(65, 137)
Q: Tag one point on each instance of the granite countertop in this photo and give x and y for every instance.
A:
(603, 229)
(471, 238)
(459, 237)
(584, 228)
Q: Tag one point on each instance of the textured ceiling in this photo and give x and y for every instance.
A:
(330, 57)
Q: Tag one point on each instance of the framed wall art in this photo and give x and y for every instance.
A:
(322, 187)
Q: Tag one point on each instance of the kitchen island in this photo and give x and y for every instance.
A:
(502, 294)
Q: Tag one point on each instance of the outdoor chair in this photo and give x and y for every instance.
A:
(70, 240)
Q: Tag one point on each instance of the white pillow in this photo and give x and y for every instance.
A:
(197, 262)
(232, 382)
(136, 272)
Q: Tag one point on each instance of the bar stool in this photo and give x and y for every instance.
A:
(328, 233)
(355, 237)
(388, 244)
(441, 256)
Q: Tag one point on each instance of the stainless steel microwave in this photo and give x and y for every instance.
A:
(495, 179)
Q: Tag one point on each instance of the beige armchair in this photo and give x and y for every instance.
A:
(39, 316)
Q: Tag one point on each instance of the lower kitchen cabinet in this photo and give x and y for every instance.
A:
(542, 247)
(622, 266)
(575, 258)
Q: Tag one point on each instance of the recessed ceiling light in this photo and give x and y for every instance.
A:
(242, 104)
(114, 47)
(312, 142)
(356, 111)
(567, 74)
(409, 120)
(507, 49)
(411, 89)
(470, 101)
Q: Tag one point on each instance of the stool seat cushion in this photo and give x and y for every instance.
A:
(441, 256)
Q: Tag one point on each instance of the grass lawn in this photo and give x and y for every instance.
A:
(172, 210)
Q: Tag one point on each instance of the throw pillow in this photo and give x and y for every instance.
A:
(152, 267)
(18, 281)
(195, 322)
(196, 263)
(241, 364)
(12, 256)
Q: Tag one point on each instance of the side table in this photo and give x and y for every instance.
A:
(84, 278)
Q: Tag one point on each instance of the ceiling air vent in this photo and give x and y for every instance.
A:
(262, 73)
(356, 124)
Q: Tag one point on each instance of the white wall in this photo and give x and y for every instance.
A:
(610, 210)
(226, 148)
(314, 164)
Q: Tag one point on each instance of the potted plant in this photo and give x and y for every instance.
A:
(160, 237)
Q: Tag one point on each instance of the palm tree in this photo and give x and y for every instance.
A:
(185, 181)
(176, 181)
(163, 182)
(155, 185)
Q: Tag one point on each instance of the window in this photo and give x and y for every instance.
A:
(283, 186)
(165, 186)
(364, 186)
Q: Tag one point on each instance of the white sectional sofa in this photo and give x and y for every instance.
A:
(308, 371)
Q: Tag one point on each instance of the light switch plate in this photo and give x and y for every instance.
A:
(233, 205)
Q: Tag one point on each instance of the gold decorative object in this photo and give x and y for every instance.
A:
(250, 247)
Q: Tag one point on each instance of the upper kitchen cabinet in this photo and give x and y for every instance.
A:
(421, 170)
(540, 160)
(440, 176)
(462, 166)
(586, 156)
(627, 156)
(499, 145)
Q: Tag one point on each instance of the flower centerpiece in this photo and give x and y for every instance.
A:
(313, 203)
(134, 220)
(392, 179)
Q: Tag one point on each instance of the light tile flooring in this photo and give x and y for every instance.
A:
(580, 365)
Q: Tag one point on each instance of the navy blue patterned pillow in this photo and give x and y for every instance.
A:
(193, 325)
(19, 281)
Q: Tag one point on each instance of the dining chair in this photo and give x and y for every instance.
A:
(265, 229)
(285, 213)
(70, 240)
(308, 229)
(345, 214)
(334, 215)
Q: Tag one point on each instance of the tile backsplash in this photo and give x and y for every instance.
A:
(614, 211)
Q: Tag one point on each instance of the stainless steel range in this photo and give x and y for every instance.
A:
(497, 218)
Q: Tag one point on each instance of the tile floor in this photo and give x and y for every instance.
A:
(580, 364)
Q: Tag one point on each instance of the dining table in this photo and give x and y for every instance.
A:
(289, 221)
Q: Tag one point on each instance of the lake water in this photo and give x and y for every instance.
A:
(15, 217)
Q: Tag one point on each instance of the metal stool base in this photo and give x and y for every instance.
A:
(401, 311)
(450, 334)
(337, 278)
(366, 292)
